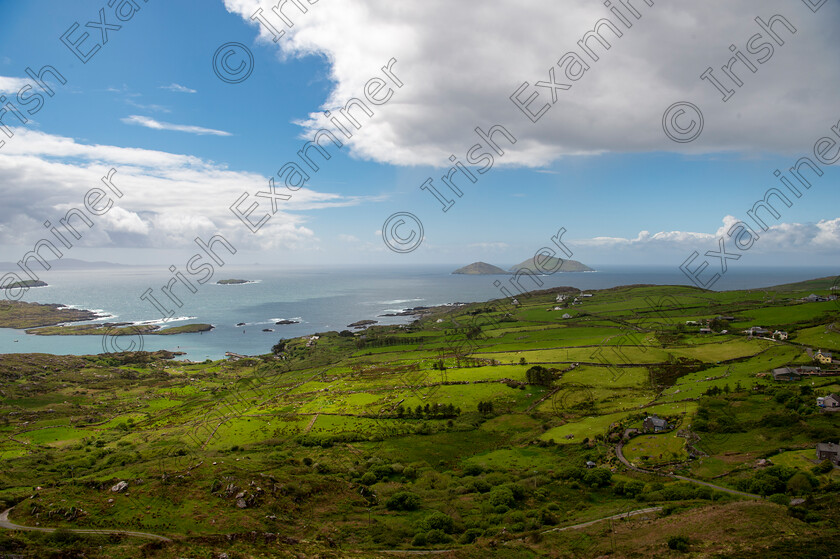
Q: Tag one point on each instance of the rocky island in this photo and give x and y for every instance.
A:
(233, 282)
(481, 269)
(17, 314)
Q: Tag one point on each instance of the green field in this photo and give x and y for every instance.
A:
(479, 440)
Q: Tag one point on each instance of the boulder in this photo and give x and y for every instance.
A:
(121, 486)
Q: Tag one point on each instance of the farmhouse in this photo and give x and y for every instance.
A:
(655, 424)
(829, 403)
(705, 330)
(780, 335)
(823, 357)
(829, 451)
(756, 331)
(727, 318)
(814, 299)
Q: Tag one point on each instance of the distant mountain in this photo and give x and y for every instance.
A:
(481, 269)
(551, 265)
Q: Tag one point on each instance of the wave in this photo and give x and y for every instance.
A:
(399, 301)
(163, 320)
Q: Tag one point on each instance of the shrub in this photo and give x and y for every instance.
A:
(479, 486)
(779, 499)
(436, 520)
(437, 536)
(470, 536)
(823, 467)
(678, 543)
(501, 496)
(597, 477)
(404, 500)
(419, 540)
(368, 479)
(473, 470)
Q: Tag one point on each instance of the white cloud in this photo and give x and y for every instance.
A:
(168, 200)
(785, 237)
(178, 88)
(157, 125)
(11, 85)
(461, 64)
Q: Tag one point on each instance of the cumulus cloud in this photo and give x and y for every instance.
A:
(823, 236)
(460, 65)
(157, 125)
(168, 199)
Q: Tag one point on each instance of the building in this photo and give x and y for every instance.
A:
(829, 451)
(786, 374)
(757, 331)
(830, 402)
(655, 424)
(780, 335)
(823, 357)
(705, 330)
(567, 315)
(727, 318)
(814, 299)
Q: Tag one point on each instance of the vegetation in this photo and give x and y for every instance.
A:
(482, 434)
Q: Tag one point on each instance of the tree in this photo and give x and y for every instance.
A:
(279, 347)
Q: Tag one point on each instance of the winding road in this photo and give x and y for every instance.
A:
(620, 455)
(5, 523)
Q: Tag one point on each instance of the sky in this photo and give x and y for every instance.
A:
(612, 152)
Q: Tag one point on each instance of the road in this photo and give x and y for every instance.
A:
(613, 517)
(5, 523)
(620, 454)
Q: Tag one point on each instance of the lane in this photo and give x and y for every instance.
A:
(6, 523)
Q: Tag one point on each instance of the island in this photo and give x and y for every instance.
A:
(550, 265)
(18, 314)
(233, 282)
(118, 329)
(26, 284)
(481, 269)
(287, 321)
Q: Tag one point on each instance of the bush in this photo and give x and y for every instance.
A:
(437, 536)
(419, 540)
(479, 486)
(473, 470)
(436, 520)
(823, 467)
(779, 499)
(502, 497)
(404, 500)
(470, 536)
(368, 479)
(597, 477)
(678, 543)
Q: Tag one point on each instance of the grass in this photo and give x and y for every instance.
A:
(319, 435)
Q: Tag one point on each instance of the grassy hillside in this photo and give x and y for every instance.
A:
(479, 429)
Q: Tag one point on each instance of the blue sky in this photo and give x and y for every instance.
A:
(598, 164)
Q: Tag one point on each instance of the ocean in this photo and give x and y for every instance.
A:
(321, 299)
